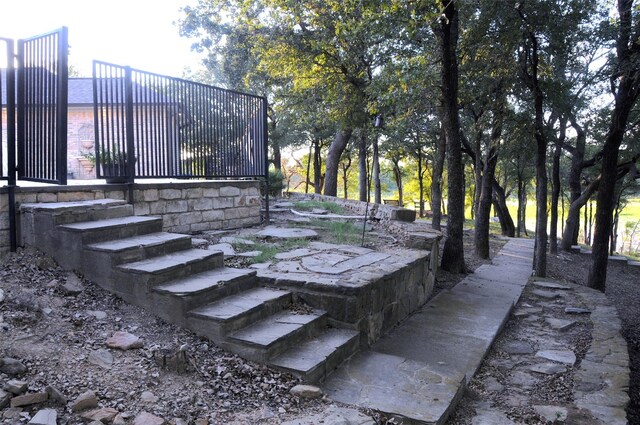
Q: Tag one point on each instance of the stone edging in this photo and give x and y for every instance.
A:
(602, 381)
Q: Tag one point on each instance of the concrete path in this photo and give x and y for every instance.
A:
(418, 372)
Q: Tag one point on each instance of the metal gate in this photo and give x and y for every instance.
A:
(34, 101)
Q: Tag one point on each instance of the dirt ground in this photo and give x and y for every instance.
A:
(58, 334)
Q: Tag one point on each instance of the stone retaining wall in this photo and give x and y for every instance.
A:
(189, 207)
(377, 211)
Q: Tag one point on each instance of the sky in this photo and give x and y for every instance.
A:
(137, 33)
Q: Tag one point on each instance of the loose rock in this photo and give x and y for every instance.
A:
(45, 417)
(306, 391)
(124, 341)
(86, 400)
(73, 285)
(145, 418)
(56, 395)
(15, 386)
(5, 397)
(561, 356)
(102, 358)
(29, 399)
(104, 415)
(552, 413)
(12, 367)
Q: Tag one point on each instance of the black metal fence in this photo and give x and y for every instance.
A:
(42, 107)
(153, 126)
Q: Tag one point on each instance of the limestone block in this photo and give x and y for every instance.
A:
(232, 213)
(212, 215)
(177, 206)
(157, 208)
(170, 194)
(189, 218)
(74, 196)
(222, 203)
(47, 197)
(193, 193)
(150, 195)
(141, 208)
(26, 198)
(229, 191)
(211, 192)
(179, 229)
(200, 204)
(200, 227)
(115, 194)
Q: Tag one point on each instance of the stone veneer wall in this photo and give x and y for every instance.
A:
(377, 211)
(189, 207)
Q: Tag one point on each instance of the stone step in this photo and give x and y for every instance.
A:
(134, 282)
(317, 357)
(71, 212)
(175, 299)
(275, 334)
(234, 312)
(112, 228)
(140, 247)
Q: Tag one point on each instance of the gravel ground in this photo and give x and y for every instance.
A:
(60, 337)
(623, 289)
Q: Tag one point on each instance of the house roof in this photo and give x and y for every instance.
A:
(80, 91)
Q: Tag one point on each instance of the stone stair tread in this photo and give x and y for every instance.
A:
(231, 307)
(275, 328)
(150, 239)
(71, 205)
(197, 283)
(313, 352)
(167, 262)
(110, 222)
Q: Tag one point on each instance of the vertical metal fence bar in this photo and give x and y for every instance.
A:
(62, 106)
(10, 89)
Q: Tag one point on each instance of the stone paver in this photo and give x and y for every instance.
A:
(419, 371)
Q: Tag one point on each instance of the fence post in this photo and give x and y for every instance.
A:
(265, 130)
(62, 105)
(11, 143)
(129, 133)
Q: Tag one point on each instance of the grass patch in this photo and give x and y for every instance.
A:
(339, 232)
(268, 250)
(310, 205)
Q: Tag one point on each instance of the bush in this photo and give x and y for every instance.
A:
(276, 183)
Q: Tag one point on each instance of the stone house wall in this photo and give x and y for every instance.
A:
(189, 207)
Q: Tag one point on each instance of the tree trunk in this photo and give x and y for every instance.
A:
(574, 181)
(540, 254)
(376, 171)
(363, 178)
(338, 145)
(436, 178)
(277, 156)
(522, 205)
(420, 183)
(500, 205)
(481, 236)
(555, 193)
(317, 167)
(397, 175)
(573, 216)
(478, 183)
(453, 251)
(308, 180)
(345, 175)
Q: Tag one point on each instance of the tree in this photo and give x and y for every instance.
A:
(447, 33)
(625, 83)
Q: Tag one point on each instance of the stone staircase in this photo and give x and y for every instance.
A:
(133, 258)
